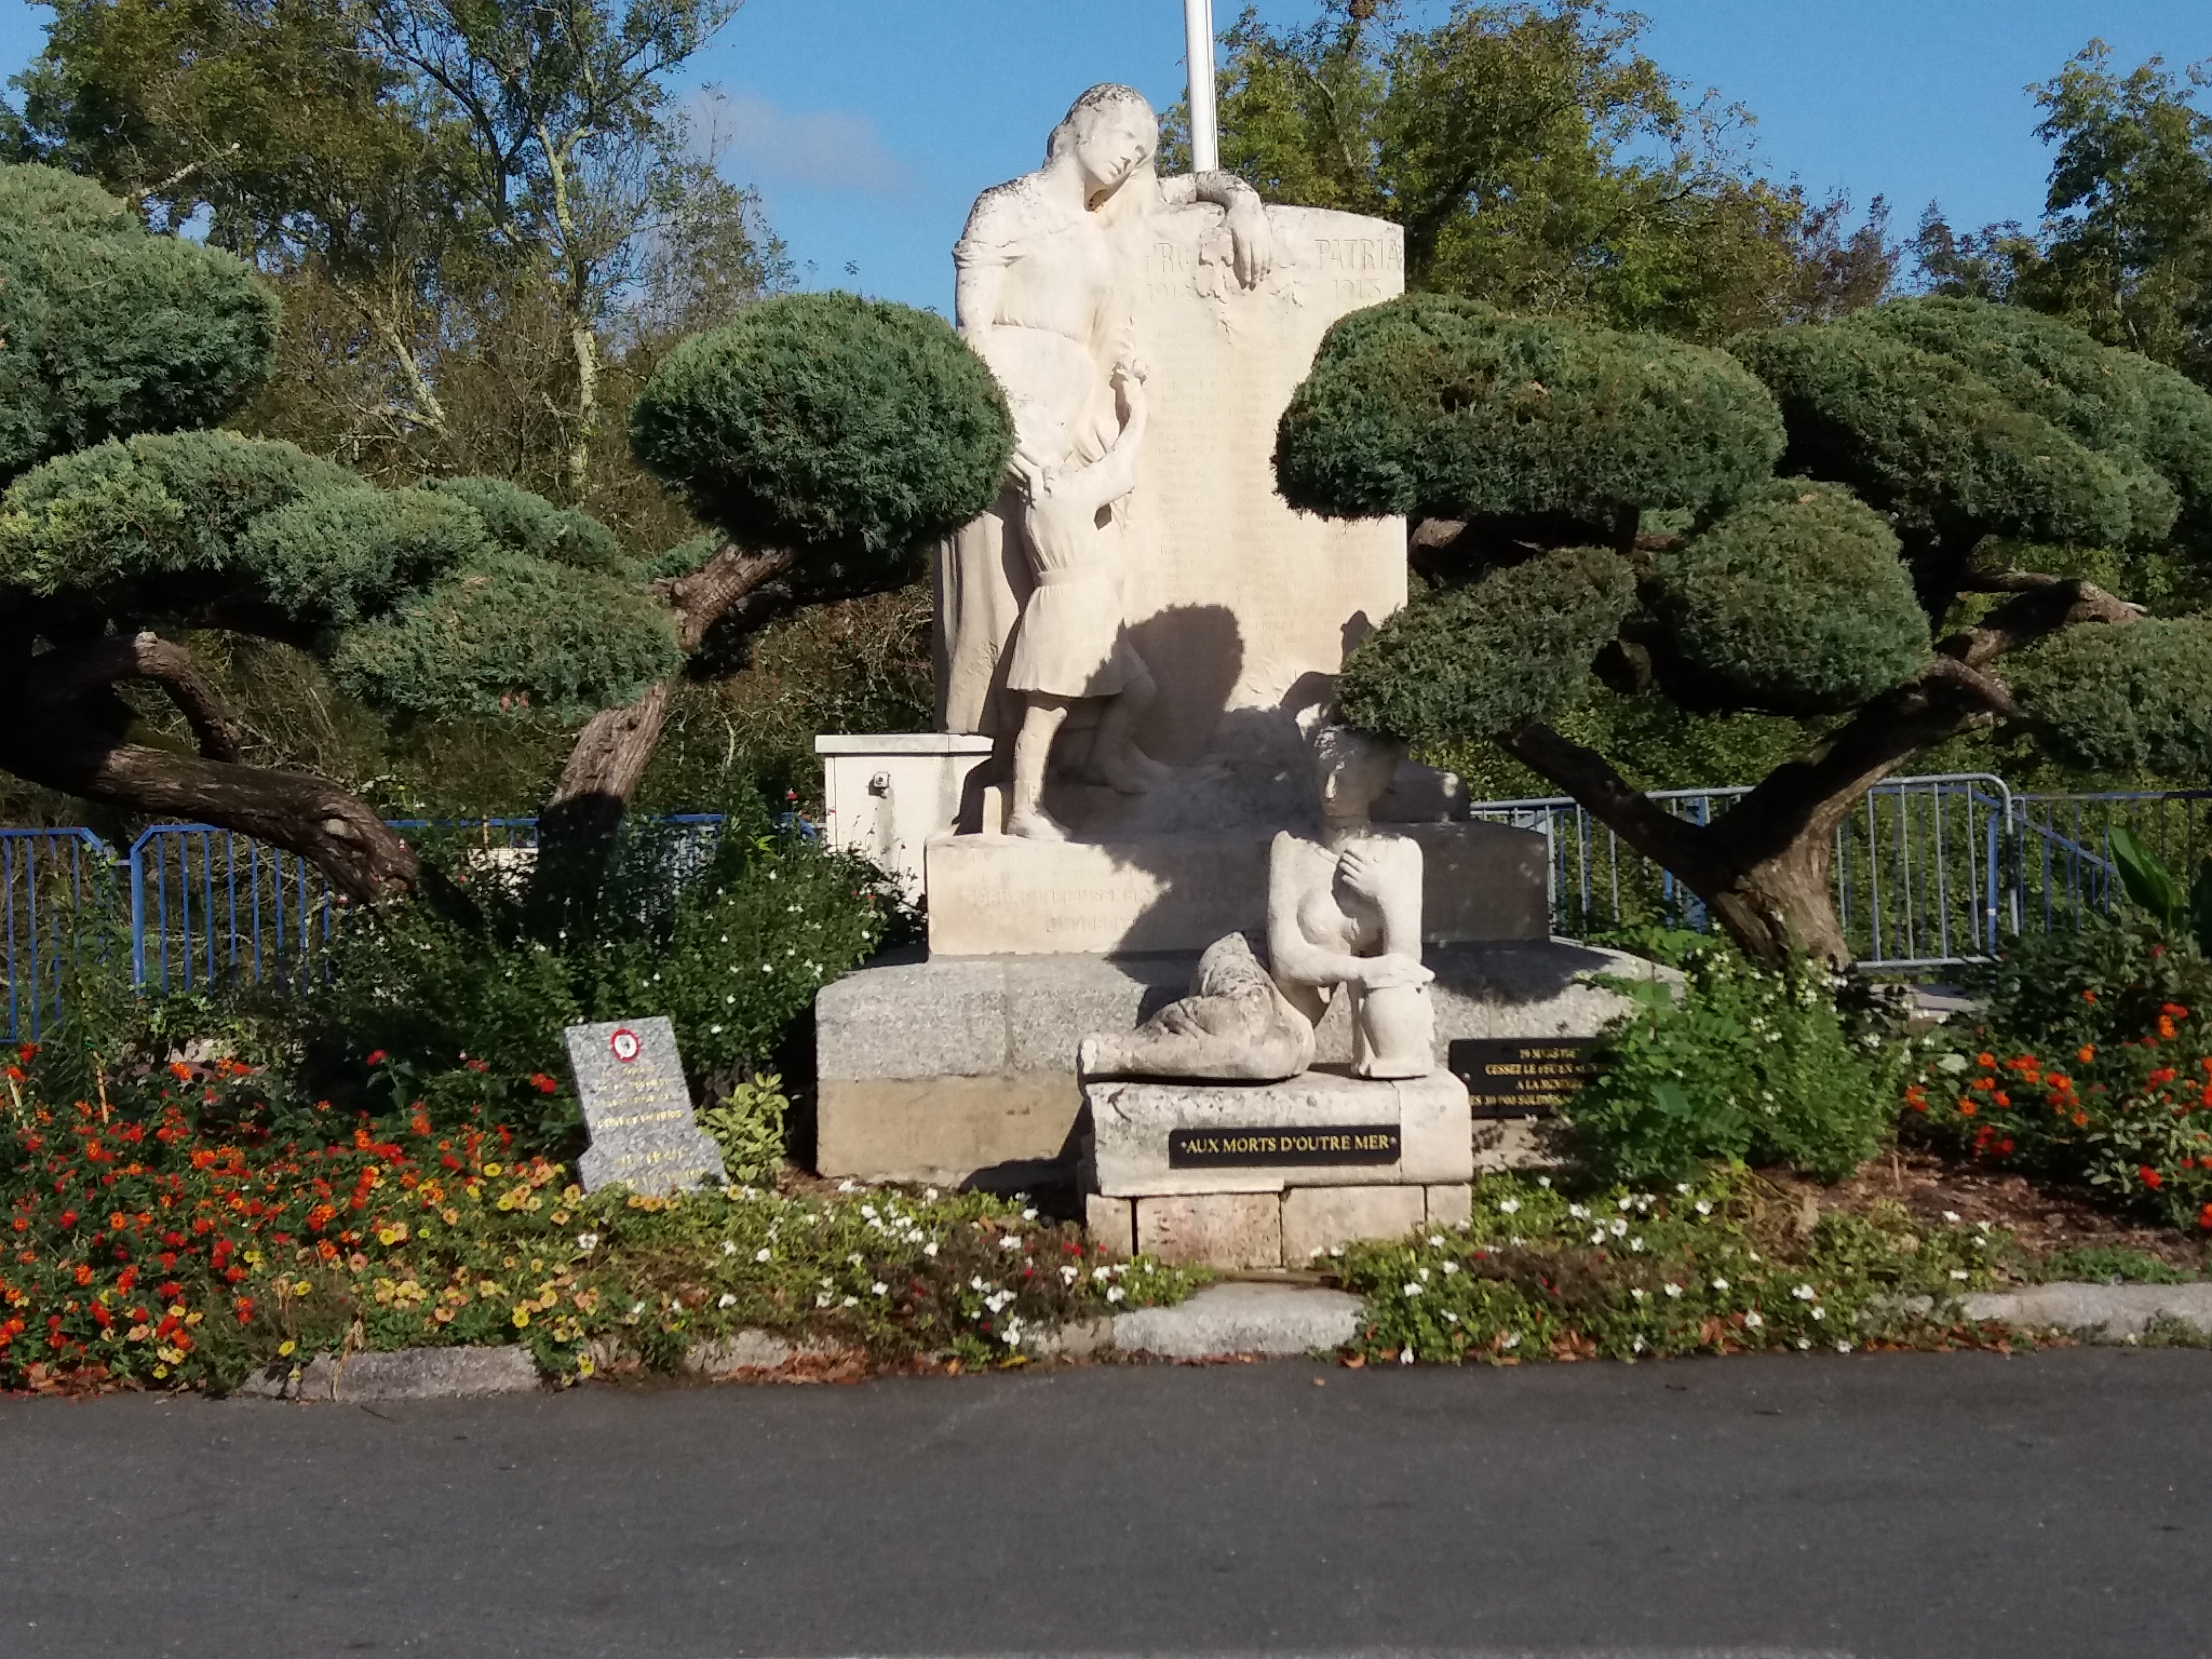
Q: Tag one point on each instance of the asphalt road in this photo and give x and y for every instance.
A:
(2055, 1503)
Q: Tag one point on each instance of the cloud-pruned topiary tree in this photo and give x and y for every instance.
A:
(827, 439)
(126, 525)
(1860, 508)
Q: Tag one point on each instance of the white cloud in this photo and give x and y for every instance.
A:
(754, 142)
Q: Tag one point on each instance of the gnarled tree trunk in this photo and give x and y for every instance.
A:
(65, 729)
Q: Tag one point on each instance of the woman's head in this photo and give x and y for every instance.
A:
(1111, 132)
(1351, 770)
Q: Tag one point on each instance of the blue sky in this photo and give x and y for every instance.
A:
(869, 125)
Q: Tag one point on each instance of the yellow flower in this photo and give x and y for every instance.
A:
(584, 1366)
(301, 1288)
(176, 1310)
(491, 1169)
(522, 1316)
(286, 1349)
(161, 1371)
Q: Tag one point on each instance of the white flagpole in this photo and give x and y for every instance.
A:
(1198, 51)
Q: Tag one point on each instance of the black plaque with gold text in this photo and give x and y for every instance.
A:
(1226, 1149)
(1523, 1076)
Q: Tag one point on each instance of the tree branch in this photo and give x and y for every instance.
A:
(2041, 606)
(1649, 828)
(70, 672)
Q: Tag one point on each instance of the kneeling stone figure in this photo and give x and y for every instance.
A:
(1344, 917)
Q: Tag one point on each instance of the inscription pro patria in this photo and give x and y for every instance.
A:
(1219, 1149)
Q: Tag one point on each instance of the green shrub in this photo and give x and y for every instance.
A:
(1437, 407)
(1795, 603)
(1476, 661)
(748, 1127)
(1752, 1066)
(855, 431)
(2122, 700)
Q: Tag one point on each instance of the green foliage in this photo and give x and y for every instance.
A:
(2110, 1264)
(852, 431)
(523, 523)
(111, 331)
(1538, 159)
(2181, 912)
(730, 941)
(1796, 601)
(1924, 439)
(1435, 407)
(341, 554)
(747, 1125)
(2119, 699)
(1750, 1066)
(1478, 660)
(1719, 1267)
(135, 521)
(508, 632)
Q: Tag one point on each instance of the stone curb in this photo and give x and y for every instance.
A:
(409, 1374)
(2105, 1313)
(1270, 1321)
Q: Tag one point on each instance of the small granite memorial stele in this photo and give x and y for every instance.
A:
(637, 1109)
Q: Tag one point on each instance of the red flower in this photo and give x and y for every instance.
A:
(2151, 1178)
(2204, 1219)
(375, 1057)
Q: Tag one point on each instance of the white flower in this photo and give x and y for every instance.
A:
(1405, 1354)
(1422, 1275)
(1619, 1228)
(1436, 1241)
(1703, 1208)
(1598, 1237)
(1450, 1317)
(847, 1187)
(1819, 1313)
(728, 1301)
(1577, 1211)
(852, 1302)
(1450, 1268)
(1512, 1340)
(1803, 1292)
(1804, 1342)
(1516, 1240)
(1636, 1244)
(1682, 1186)
(1116, 1293)
(1720, 1284)
(930, 1249)
(1753, 1320)
(1543, 1180)
(1010, 1242)
(588, 1241)
(1639, 1292)
(1951, 1216)
(930, 1193)
(869, 1211)
(1638, 1345)
(1029, 1215)
(1754, 1255)
(1843, 1347)
(822, 1298)
(1509, 1205)
(1957, 1272)
(762, 1255)
(1069, 1275)
(729, 1247)
(975, 1283)
(1409, 1289)
(880, 1288)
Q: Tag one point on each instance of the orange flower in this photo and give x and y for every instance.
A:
(2173, 1011)
(1986, 1061)
(2151, 1178)
(2086, 1053)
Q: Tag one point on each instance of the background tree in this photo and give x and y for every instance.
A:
(487, 221)
(122, 527)
(2124, 252)
(1945, 467)
(1539, 160)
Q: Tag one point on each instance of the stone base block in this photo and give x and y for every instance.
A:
(1317, 1220)
(1001, 893)
(1112, 1224)
(1450, 1206)
(1230, 1230)
(1323, 1129)
(960, 1070)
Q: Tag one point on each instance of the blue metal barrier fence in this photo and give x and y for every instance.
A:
(1927, 872)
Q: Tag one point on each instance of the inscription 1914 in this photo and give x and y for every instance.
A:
(1222, 1149)
(1519, 1077)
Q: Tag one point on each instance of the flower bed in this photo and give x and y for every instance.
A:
(1726, 1265)
(166, 1249)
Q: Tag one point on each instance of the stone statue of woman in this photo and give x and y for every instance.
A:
(1044, 293)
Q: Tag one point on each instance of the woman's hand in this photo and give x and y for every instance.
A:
(1252, 239)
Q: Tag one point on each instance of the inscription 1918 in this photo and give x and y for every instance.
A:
(1523, 1076)
(1221, 1149)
